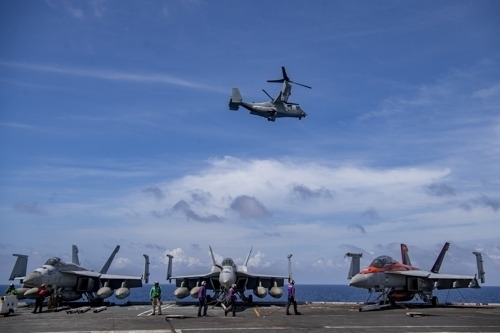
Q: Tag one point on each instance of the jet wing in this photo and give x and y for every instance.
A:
(190, 281)
(90, 274)
(266, 281)
(115, 281)
(442, 281)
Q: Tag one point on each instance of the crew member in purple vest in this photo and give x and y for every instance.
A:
(231, 296)
(202, 300)
(291, 298)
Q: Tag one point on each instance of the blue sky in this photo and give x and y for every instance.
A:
(115, 129)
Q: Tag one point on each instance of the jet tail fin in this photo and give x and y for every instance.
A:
(105, 268)
(145, 275)
(437, 265)
(405, 258)
(19, 270)
(480, 268)
(354, 268)
(235, 101)
(213, 258)
(169, 267)
(244, 268)
(290, 273)
(74, 255)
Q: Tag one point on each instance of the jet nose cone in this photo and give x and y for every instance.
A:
(33, 278)
(359, 280)
(226, 279)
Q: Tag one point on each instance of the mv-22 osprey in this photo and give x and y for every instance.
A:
(70, 281)
(278, 107)
(400, 282)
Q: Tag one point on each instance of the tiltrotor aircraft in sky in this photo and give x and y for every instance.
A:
(400, 282)
(70, 281)
(222, 276)
(278, 107)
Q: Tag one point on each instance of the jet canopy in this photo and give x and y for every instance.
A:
(382, 261)
(53, 261)
(228, 262)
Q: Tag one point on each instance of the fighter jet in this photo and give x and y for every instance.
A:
(278, 107)
(399, 282)
(222, 276)
(70, 281)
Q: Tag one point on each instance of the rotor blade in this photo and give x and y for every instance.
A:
(285, 77)
(267, 94)
(300, 84)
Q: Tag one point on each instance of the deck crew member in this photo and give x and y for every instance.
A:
(291, 298)
(202, 299)
(231, 296)
(155, 295)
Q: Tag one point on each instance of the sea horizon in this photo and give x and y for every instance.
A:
(323, 293)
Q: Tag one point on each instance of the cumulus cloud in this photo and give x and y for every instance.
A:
(121, 262)
(305, 193)
(356, 227)
(258, 261)
(184, 208)
(154, 246)
(488, 202)
(182, 259)
(156, 192)
(249, 207)
(440, 190)
(201, 197)
(481, 201)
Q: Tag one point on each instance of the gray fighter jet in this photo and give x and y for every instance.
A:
(222, 276)
(278, 107)
(70, 281)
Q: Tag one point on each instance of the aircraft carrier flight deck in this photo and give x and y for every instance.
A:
(315, 317)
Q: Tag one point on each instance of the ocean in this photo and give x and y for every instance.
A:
(325, 293)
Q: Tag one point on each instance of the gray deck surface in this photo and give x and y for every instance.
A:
(316, 317)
